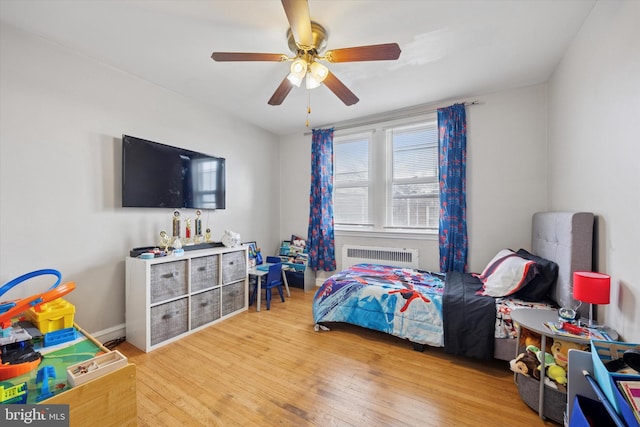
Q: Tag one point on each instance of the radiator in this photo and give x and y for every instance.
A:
(400, 257)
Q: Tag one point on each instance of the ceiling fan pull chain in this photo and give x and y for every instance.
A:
(308, 106)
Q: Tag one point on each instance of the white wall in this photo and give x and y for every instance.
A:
(506, 178)
(594, 124)
(61, 119)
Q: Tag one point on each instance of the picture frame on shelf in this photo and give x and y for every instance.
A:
(254, 255)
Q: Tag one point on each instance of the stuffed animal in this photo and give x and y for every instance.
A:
(230, 239)
(526, 364)
(557, 373)
(530, 362)
(548, 357)
(560, 350)
(529, 338)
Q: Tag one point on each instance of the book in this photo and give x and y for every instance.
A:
(631, 391)
(575, 331)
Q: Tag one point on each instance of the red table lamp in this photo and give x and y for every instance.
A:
(591, 287)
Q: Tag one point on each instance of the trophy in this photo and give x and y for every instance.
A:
(187, 231)
(198, 224)
(176, 223)
(207, 235)
(165, 241)
(177, 246)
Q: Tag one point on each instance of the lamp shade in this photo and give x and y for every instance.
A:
(591, 287)
(298, 71)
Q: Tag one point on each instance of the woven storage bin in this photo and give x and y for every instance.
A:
(232, 297)
(205, 307)
(169, 320)
(555, 401)
(168, 280)
(233, 266)
(204, 272)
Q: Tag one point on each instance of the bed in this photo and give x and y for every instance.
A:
(467, 314)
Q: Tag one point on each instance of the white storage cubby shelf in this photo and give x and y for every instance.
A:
(170, 297)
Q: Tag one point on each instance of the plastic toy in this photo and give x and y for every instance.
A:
(15, 394)
(43, 376)
(10, 309)
(52, 316)
(17, 355)
(60, 336)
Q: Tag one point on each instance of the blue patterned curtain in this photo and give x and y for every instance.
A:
(452, 128)
(320, 242)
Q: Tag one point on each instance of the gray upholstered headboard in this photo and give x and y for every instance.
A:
(567, 239)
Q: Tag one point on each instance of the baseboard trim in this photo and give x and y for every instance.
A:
(109, 334)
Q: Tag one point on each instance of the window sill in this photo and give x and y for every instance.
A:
(395, 234)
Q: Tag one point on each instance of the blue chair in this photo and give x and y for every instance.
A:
(277, 260)
(274, 280)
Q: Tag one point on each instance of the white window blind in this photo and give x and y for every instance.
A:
(351, 180)
(414, 178)
(386, 179)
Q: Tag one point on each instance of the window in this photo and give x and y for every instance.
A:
(386, 179)
(352, 188)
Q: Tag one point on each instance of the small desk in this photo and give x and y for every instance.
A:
(262, 270)
(534, 320)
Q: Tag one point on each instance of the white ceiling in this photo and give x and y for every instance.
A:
(450, 49)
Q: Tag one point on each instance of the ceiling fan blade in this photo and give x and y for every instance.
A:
(281, 92)
(340, 90)
(375, 52)
(246, 56)
(297, 12)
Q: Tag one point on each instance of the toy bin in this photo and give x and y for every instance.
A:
(90, 369)
(603, 352)
(555, 401)
(52, 316)
(587, 412)
(625, 410)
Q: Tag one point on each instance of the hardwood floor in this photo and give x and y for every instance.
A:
(272, 368)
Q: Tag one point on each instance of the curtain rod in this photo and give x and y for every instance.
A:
(396, 117)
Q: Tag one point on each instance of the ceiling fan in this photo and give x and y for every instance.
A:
(307, 40)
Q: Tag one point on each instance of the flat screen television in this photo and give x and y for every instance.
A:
(156, 175)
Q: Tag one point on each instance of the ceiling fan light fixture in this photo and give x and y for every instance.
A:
(298, 71)
(312, 83)
(299, 66)
(295, 80)
(318, 71)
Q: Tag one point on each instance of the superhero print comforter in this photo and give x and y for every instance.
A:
(403, 302)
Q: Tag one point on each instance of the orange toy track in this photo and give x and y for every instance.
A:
(11, 370)
(36, 300)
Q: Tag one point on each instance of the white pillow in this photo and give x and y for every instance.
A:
(506, 273)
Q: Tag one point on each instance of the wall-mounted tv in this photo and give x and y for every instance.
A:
(155, 175)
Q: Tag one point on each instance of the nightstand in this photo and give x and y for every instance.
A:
(534, 320)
